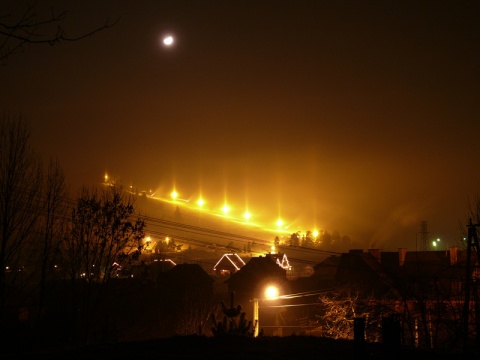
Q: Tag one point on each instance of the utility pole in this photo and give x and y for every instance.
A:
(255, 318)
(471, 285)
(424, 246)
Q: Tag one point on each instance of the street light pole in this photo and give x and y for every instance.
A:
(271, 293)
(255, 317)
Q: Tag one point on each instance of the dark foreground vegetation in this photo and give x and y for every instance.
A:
(236, 347)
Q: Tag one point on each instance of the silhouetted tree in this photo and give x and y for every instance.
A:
(295, 239)
(308, 240)
(326, 239)
(52, 228)
(234, 321)
(193, 318)
(20, 203)
(340, 308)
(276, 241)
(27, 25)
(105, 233)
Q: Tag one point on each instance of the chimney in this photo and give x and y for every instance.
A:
(375, 253)
(453, 255)
(401, 256)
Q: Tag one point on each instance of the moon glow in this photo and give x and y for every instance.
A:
(168, 40)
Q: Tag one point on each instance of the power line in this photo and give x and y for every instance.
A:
(67, 204)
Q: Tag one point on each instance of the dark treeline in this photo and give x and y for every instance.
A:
(66, 267)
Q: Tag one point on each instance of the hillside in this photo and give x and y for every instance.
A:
(209, 236)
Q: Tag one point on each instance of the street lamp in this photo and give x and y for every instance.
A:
(270, 293)
(225, 209)
(200, 203)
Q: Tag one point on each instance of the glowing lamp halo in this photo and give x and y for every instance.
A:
(271, 292)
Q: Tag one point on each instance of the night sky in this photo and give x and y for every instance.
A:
(354, 116)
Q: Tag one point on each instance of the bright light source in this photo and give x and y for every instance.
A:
(315, 233)
(168, 40)
(247, 215)
(225, 209)
(279, 223)
(200, 202)
(174, 195)
(271, 292)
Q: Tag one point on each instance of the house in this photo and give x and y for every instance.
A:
(152, 272)
(280, 259)
(254, 276)
(187, 279)
(424, 289)
(421, 294)
(323, 276)
(228, 264)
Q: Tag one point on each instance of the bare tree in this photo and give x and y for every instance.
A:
(105, 235)
(20, 205)
(52, 226)
(105, 231)
(193, 318)
(340, 308)
(29, 27)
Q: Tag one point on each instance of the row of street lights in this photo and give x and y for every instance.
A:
(226, 210)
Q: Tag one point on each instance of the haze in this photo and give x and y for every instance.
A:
(357, 117)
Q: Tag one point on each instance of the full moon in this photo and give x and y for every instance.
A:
(168, 40)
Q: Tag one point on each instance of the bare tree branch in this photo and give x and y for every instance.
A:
(30, 28)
